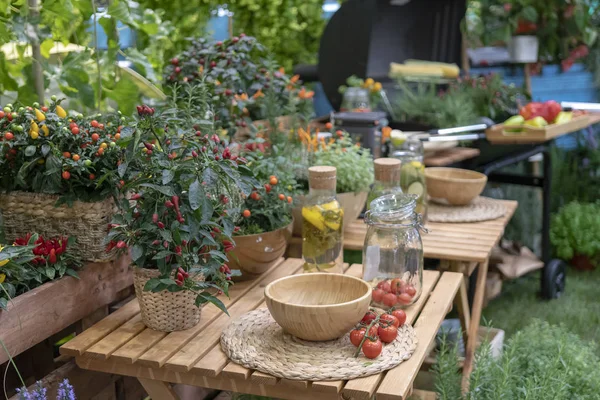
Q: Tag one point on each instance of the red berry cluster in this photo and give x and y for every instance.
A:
(145, 110)
(374, 330)
(394, 291)
(181, 276)
(46, 251)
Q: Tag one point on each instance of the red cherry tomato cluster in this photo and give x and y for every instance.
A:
(381, 329)
(392, 292)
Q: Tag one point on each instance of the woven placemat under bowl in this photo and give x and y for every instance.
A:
(480, 209)
(257, 342)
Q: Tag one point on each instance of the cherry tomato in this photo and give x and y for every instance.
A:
(404, 298)
(410, 290)
(95, 137)
(328, 125)
(246, 213)
(391, 319)
(385, 286)
(369, 316)
(94, 123)
(356, 336)
(387, 334)
(75, 130)
(396, 286)
(400, 316)
(390, 299)
(378, 295)
(9, 136)
(372, 348)
(273, 180)
(66, 175)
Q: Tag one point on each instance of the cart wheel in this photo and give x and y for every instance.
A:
(553, 279)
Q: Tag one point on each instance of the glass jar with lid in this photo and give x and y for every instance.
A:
(322, 225)
(356, 99)
(393, 251)
(387, 178)
(412, 172)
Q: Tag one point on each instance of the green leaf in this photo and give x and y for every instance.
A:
(166, 235)
(166, 190)
(45, 47)
(167, 176)
(205, 297)
(122, 168)
(127, 132)
(137, 252)
(162, 255)
(3, 303)
(151, 284)
(196, 194)
(119, 10)
(529, 13)
(45, 149)
(30, 150)
(50, 272)
(126, 94)
(207, 210)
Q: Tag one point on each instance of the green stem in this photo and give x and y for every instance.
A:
(13, 363)
(97, 56)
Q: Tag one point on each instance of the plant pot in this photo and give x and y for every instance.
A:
(165, 311)
(582, 263)
(352, 203)
(523, 49)
(255, 254)
(24, 212)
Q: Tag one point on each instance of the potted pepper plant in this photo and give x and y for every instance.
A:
(247, 86)
(178, 222)
(263, 234)
(58, 174)
(575, 234)
(354, 166)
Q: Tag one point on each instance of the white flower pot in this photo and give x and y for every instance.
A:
(523, 49)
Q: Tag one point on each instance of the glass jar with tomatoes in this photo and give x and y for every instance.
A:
(393, 251)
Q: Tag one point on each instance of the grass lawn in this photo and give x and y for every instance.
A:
(578, 308)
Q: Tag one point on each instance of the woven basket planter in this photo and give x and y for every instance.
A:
(165, 311)
(24, 212)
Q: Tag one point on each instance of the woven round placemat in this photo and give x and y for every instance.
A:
(480, 209)
(257, 342)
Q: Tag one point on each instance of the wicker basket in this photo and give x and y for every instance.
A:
(165, 311)
(24, 212)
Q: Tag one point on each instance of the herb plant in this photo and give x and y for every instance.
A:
(65, 392)
(575, 230)
(45, 151)
(354, 164)
(239, 74)
(540, 361)
(186, 189)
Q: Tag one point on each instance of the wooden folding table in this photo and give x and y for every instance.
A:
(121, 344)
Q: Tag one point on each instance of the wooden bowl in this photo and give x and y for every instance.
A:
(455, 185)
(255, 254)
(318, 306)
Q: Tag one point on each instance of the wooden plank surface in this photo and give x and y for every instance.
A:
(50, 308)
(450, 156)
(364, 388)
(398, 381)
(448, 241)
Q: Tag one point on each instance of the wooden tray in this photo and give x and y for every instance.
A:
(529, 134)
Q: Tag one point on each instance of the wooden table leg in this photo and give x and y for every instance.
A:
(471, 344)
(158, 390)
(461, 303)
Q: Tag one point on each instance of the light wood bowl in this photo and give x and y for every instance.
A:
(319, 306)
(457, 186)
(255, 254)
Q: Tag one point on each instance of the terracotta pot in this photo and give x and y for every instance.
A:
(165, 311)
(582, 263)
(255, 254)
(352, 203)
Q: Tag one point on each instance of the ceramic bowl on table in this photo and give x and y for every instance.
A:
(456, 186)
(319, 306)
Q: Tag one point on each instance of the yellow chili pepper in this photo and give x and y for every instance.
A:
(2, 276)
(33, 134)
(61, 112)
(39, 115)
(3, 263)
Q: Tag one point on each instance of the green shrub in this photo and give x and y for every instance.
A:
(542, 361)
(575, 230)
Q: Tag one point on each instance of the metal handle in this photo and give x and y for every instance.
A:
(459, 129)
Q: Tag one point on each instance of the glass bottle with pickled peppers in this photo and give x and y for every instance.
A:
(322, 224)
(412, 172)
(393, 251)
(387, 179)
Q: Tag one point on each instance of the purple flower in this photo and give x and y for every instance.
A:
(65, 391)
(23, 394)
(39, 393)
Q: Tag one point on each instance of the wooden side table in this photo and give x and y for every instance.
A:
(121, 344)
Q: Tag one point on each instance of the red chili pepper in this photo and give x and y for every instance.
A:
(121, 244)
(136, 196)
(160, 225)
(156, 243)
(166, 244)
(178, 250)
(155, 218)
(169, 204)
(179, 276)
(52, 257)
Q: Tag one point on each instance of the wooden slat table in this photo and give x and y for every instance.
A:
(461, 247)
(121, 344)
